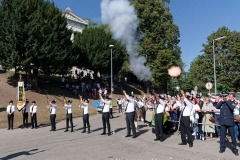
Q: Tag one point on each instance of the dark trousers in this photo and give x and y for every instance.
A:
(217, 127)
(105, 120)
(53, 121)
(34, 120)
(130, 123)
(159, 125)
(111, 112)
(86, 122)
(144, 114)
(69, 118)
(185, 129)
(200, 121)
(223, 137)
(25, 120)
(10, 121)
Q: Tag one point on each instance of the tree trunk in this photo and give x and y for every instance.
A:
(35, 78)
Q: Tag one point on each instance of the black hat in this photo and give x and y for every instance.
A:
(53, 101)
(198, 96)
(69, 101)
(33, 101)
(224, 95)
(11, 101)
(109, 98)
(27, 101)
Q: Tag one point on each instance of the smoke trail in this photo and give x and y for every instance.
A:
(123, 22)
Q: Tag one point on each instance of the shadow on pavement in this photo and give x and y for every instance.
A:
(119, 129)
(27, 153)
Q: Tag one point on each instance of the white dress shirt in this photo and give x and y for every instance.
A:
(161, 106)
(85, 108)
(188, 108)
(33, 109)
(106, 106)
(130, 105)
(68, 108)
(10, 109)
(53, 108)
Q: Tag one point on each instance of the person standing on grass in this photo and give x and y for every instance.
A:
(10, 114)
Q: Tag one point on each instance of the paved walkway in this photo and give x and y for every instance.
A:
(41, 144)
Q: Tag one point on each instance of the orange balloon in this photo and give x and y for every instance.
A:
(174, 71)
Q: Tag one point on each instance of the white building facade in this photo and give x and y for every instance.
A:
(74, 22)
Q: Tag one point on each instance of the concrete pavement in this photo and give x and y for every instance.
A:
(41, 144)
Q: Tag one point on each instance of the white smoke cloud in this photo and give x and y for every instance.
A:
(123, 22)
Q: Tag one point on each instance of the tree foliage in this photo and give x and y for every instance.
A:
(159, 38)
(227, 57)
(93, 52)
(34, 37)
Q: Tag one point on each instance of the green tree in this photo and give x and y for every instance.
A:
(227, 56)
(159, 38)
(92, 48)
(34, 37)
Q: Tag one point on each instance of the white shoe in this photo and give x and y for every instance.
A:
(194, 134)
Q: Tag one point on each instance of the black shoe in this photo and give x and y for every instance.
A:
(236, 153)
(109, 134)
(190, 145)
(182, 143)
(89, 132)
(83, 131)
(221, 150)
(51, 130)
(32, 128)
(135, 136)
(161, 139)
(128, 135)
(103, 133)
(71, 130)
(8, 129)
(66, 131)
(156, 139)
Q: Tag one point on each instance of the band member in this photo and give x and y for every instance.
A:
(25, 114)
(227, 123)
(33, 113)
(10, 111)
(105, 114)
(130, 114)
(159, 118)
(185, 120)
(68, 107)
(84, 105)
(53, 108)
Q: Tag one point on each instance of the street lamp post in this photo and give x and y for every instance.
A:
(214, 64)
(111, 47)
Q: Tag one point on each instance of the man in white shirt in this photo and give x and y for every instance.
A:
(130, 115)
(84, 105)
(33, 113)
(160, 107)
(52, 108)
(105, 114)
(185, 121)
(10, 111)
(25, 114)
(68, 107)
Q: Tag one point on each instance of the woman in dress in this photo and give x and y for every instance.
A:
(207, 110)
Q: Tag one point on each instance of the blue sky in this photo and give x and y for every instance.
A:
(196, 19)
